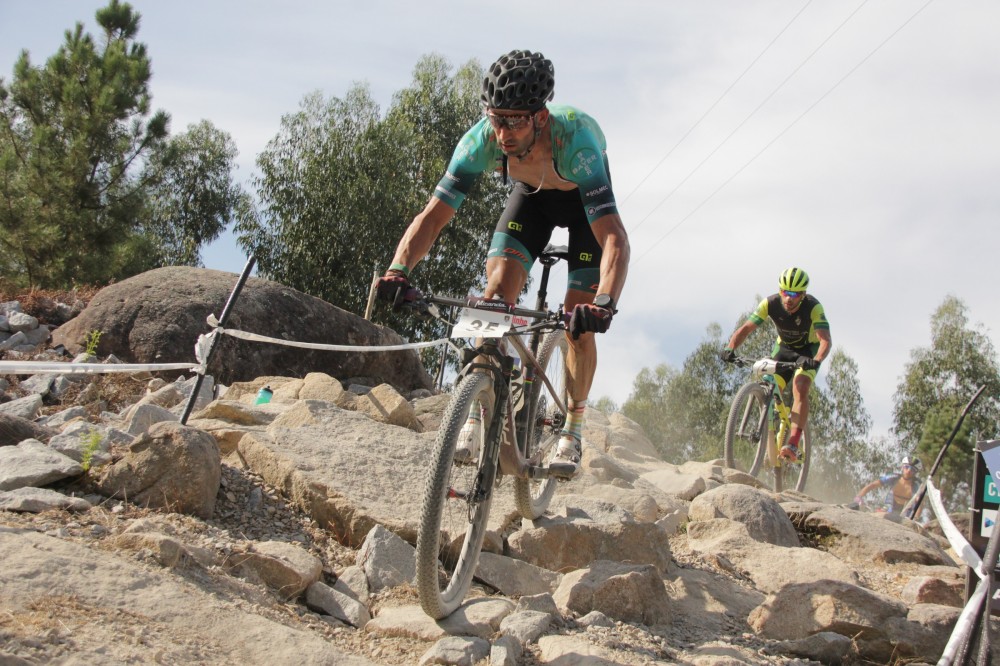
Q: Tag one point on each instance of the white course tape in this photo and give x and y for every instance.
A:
(964, 625)
(958, 542)
(243, 335)
(201, 348)
(59, 368)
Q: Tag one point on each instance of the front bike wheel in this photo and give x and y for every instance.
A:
(793, 474)
(456, 503)
(746, 429)
(796, 473)
(545, 421)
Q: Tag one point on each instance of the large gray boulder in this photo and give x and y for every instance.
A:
(156, 317)
(173, 467)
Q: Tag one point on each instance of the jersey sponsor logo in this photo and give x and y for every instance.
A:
(586, 256)
(446, 192)
(593, 209)
(594, 193)
(581, 162)
(465, 149)
(515, 226)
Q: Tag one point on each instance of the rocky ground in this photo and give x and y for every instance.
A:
(59, 629)
(249, 511)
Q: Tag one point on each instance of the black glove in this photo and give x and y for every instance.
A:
(807, 363)
(392, 287)
(728, 355)
(589, 318)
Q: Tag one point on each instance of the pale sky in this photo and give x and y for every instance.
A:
(858, 140)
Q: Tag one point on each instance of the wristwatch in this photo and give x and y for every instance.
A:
(605, 301)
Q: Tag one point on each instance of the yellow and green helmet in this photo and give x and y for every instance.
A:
(793, 279)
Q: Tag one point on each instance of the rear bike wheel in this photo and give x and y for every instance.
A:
(456, 503)
(746, 429)
(544, 422)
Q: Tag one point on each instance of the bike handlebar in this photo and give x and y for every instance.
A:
(416, 299)
(744, 362)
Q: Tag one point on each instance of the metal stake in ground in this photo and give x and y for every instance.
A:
(223, 319)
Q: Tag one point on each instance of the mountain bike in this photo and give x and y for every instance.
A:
(758, 426)
(514, 394)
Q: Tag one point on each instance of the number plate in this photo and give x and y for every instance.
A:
(473, 323)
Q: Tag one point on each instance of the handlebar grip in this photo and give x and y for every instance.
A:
(412, 295)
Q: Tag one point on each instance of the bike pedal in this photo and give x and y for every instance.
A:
(562, 471)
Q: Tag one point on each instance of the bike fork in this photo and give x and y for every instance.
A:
(487, 475)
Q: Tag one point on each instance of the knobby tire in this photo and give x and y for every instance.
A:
(452, 528)
(746, 430)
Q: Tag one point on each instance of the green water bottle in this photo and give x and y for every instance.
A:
(264, 395)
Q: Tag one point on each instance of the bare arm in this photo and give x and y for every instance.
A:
(825, 344)
(870, 487)
(422, 232)
(615, 253)
(740, 334)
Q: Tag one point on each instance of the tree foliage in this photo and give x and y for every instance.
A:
(938, 382)
(191, 198)
(844, 456)
(80, 149)
(647, 406)
(339, 184)
(953, 475)
(605, 405)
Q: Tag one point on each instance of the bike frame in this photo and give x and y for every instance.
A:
(776, 407)
(488, 356)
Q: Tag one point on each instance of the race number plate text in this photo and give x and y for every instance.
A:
(474, 323)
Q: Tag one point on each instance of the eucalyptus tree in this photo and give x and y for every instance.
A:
(960, 359)
(191, 196)
(937, 383)
(340, 183)
(647, 406)
(954, 474)
(845, 456)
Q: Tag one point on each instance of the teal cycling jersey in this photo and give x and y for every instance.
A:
(579, 155)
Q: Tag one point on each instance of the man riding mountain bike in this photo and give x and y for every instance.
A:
(556, 156)
(803, 338)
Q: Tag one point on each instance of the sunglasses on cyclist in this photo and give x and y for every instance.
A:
(792, 294)
(907, 466)
(509, 122)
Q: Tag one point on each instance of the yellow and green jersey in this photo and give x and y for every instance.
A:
(796, 330)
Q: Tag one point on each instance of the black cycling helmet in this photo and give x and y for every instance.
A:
(519, 80)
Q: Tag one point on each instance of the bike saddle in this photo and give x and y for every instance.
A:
(553, 253)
